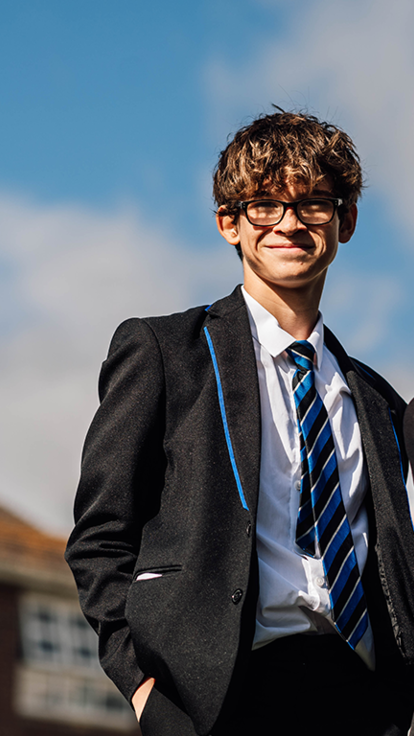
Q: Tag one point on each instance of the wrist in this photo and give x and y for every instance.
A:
(141, 695)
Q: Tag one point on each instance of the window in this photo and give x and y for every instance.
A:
(60, 677)
(54, 632)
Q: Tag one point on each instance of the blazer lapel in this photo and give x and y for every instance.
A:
(378, 437)
(377, 431)
(392, 543)
(228, 328)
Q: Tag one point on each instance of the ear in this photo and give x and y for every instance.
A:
(227, 227)
(348, 224)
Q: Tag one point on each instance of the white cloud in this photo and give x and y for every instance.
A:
(352, 61)
(73, 275)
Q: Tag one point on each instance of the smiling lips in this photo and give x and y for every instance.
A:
(288, 246)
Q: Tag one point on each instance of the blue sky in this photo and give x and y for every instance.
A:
(112, 117)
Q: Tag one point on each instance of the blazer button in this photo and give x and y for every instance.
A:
(249, 529)
(237, 596)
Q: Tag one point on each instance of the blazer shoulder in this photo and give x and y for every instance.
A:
(134, 330)
(179, 324)
(374, 379)
(381, 385)
(173, 332)
(128, 332)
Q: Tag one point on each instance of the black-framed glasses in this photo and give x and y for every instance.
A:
(269, 212)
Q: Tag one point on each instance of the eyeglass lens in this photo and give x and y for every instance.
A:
(309, 211)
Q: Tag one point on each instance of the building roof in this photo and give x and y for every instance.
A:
(28, 555)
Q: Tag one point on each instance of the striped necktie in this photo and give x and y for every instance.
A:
(322, 524)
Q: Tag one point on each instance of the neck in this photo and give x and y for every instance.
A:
(296, 310)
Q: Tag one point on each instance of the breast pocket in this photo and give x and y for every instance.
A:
(154, 598)
(151, 573)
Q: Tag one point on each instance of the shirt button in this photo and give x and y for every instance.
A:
(320, 581)
(237, 596)
(297, 485)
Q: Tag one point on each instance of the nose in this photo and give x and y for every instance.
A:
(290, 222)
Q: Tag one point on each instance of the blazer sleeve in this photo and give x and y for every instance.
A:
(121, 479)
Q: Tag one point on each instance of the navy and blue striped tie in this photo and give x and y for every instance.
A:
(322, 521)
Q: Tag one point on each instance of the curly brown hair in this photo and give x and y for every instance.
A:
(283, 146)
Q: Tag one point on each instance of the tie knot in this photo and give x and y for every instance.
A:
(302, 353)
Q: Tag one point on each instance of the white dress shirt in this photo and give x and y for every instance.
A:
(292, 585)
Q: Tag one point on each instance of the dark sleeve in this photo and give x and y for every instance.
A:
(122, 469)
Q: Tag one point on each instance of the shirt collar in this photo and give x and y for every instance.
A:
(267, 331)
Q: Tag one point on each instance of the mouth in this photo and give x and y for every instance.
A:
(289, 246)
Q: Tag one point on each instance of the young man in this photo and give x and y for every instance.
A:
(243, 543)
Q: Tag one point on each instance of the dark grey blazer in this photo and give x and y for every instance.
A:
(169, 485)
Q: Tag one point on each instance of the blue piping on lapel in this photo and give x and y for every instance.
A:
(224, 419)
(365, 370)
(401, 466)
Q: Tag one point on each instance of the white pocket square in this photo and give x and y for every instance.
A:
(148, 576)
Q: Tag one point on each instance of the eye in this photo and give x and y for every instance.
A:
(316, 211)
(264, 212)
(316, 205)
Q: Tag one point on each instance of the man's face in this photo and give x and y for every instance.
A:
(290, 254)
